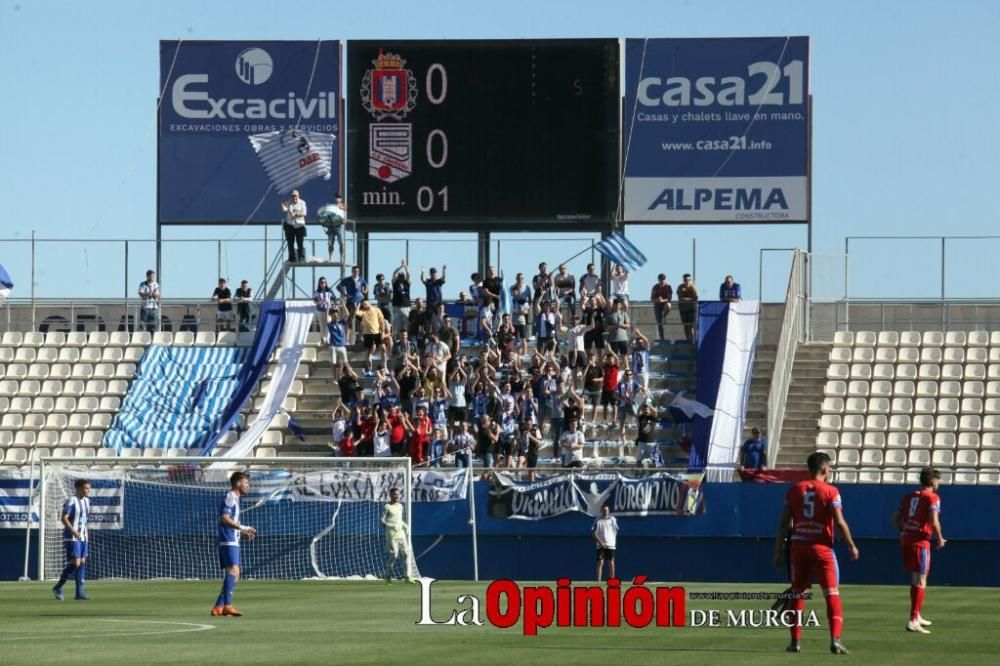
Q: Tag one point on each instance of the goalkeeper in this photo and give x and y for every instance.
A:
(396, 536)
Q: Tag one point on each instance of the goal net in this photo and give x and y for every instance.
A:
(315, 518)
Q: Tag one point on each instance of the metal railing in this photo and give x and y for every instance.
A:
(792, 329)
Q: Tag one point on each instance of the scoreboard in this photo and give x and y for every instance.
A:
(467, 134)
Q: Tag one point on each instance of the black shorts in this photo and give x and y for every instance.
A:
(372, 340)
(531, 459)
(608, 398)
(660, 311)
(459, 414)
(594, 396)
(593, 339)
(543, 343)
(506, 445)
(687, 315)
(520, 331)
(619, 347)
(605, 554)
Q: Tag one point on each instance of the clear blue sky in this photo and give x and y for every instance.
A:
(906, 138)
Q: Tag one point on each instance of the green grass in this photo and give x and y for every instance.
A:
(370, 622)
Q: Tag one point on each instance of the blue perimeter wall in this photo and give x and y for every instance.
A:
(731, 542)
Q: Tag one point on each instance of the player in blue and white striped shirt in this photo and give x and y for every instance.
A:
(75, 515)
(228, 540)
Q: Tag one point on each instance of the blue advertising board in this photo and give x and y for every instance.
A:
(215, 95)
(717, 130)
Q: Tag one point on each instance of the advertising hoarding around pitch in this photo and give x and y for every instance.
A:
(215, 95)
(717, 130)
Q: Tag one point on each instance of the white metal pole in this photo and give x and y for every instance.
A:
(27, 522)
(472, 521)
(41, 521)
(411, 560)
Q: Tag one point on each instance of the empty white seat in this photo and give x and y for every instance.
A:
(945, 440)
(118, 339)
(70, 438)
(901, 406)
(948, 406)
(102, 421)
(60, 370)
(953, 371)
(972, 406)
(853, 422)
(972, 389)
(872, 457)
(869, 475)
(874, 440)
(56, 421)
(76, 339)
(930, 355)
(881, 389)
(885, 355)
(96, 387)
(79, 421)
(991, 406)
(141, 339)
(965, 477)
(29, 388)
(861, 371)
(833, 389)
(946, 423)
(69, 355)
(975, 371)
(967, 458)
(6, 355)
(17, 371)
(82, 371)
(33, 339)
(991, 423)
(932, 339)
(865, 339)
(130, 453)
(850, 440)
(104, 370)
(47, 438)
(876, 423)
(840, 355)
(8, 387)
(954, 355)
(838, 371)
(922, 423)
(929, 371)
(854, 406)
(826, 422)
(968, 440)
(844, 339)
(989, 458)
(883, 371)
(163, 338)
(906, 371)
(925, 406)
(204, 338)
(955, 338)
(846, 476)
(848, 457)
(92, 438)
(38, 371)
(16, 456)
(183, 339)
(110, 404)
(34, 421)
(87, 404)
(226, 339)
(106, 453)
(895, 457)
(878, 406)
(978, 339)
(903, 389)
(919, 457)
(43, 404)
(112, 354)
(125, 371)
(908, 355)
(40, 452)
(151, 452)
(24, 355)
(863, 355)
(97, 339)
(888, 338)
(90, 355)
(950, 389)
(12, 339)
(176, 453)
(12, 421)
(19, 405)
(47, 355)
(898, 440)
(943, 458)
(117, 387)
(832, 406)
(977, 355)
(133, 354)
(6, 438)
(857, 389)
(994, 355)
(25, 438)
(54, 339)
(824, 440)
(84, 452)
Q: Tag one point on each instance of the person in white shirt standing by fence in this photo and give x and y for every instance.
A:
(605, 532)
(295, 227)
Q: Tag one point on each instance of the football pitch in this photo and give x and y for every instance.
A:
(372, 622)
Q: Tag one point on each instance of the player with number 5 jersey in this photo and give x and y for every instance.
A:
(812, 508)
(917, 518)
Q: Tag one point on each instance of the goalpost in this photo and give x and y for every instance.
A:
(316, 518)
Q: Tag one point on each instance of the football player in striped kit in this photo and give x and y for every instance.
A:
(75, 514)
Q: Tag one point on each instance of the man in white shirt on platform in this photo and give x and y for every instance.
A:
(605, 532)
(295, 226)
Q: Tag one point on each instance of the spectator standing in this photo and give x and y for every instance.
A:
(618, 328)
(546, 327)
(243, 300)
(449, 336)
(729, 291)
(753, 452)
(565, 288)
(605, 531)
(383, 296)
(400, 297)
(461, 444)
(492, 286)
(223, 298)
(337, 339)
(354, 289)
(687, 303)
(370, 320)
(640, 358)
(661, 295)
(541, 284)
(572, 443)
(486, 445)
(589, 282)
(324, 298)
(433, 285)
(646, 427)
(149, 313)
(619, 284)
(332, 217)
(295, 227)
(521, 300)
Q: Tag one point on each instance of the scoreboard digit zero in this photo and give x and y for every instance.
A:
(483, 134)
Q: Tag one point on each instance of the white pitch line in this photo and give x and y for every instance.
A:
(194, 627)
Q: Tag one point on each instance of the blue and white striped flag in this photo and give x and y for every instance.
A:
(292, 157)
(620, 250)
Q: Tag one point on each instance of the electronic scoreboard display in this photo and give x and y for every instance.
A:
(472, 134)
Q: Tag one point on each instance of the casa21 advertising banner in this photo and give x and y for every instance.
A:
(717, 130)
(216, 95)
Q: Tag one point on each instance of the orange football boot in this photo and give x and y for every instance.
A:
(230, 610)
(216, 611)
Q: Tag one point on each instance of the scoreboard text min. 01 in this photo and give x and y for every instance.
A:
(462, 134)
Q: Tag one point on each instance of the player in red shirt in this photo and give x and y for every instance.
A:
(917, 518)
(811, 509)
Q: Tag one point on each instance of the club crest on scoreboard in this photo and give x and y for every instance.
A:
(390, 151)
(389, 90)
